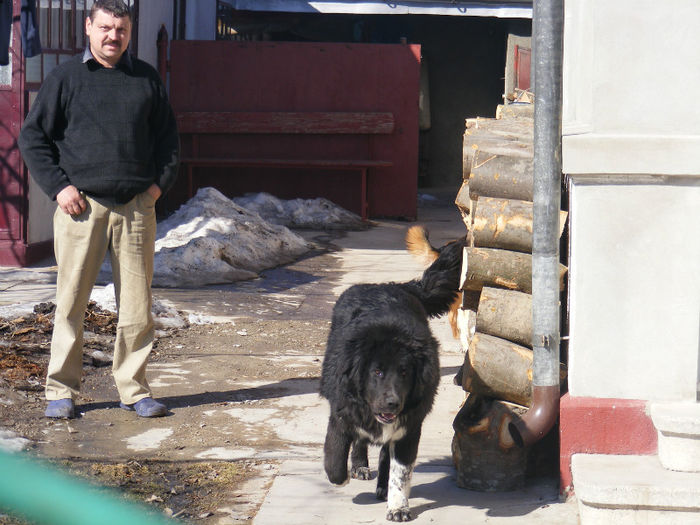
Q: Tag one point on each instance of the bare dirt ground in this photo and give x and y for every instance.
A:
(203, 465)
(191, 490)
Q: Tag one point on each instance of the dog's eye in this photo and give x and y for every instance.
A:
(378, 373)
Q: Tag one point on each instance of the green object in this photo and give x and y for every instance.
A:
(41, 494)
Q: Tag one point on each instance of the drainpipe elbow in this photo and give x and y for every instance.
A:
(539, 419)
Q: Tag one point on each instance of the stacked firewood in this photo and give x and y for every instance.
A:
(496, 316)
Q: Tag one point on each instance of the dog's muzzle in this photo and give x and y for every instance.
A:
(385, 418)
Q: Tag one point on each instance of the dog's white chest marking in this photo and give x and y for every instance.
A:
(399, 483)
(392, 432)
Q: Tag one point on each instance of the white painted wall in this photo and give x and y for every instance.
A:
(634, 288)
(40, 216)
(631, 147)
(382, 7)
(629, 68)
(201, 20)
(152, 15)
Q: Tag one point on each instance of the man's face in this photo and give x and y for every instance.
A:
(109, 37)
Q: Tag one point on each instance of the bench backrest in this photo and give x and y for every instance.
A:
(199, 122)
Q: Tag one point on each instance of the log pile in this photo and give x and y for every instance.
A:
(495, 201)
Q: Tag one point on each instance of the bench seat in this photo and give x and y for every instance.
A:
(194, 124)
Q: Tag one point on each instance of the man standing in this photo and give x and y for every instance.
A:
(101, 140)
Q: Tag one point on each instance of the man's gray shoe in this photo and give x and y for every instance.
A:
(61, 409)
(147, 407)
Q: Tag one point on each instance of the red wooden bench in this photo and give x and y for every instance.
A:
(191, 125)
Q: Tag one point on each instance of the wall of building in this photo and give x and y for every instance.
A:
(635, 288)
(201, 20)
(628, 69)
(631, 149)
(152, 15)
(40, 215)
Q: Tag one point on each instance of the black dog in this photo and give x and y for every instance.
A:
(380, 375)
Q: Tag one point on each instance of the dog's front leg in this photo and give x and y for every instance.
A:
(383, 472)
(358, 460)
(336, 450)
(403, 457)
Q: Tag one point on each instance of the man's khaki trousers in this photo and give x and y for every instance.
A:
(81, 243)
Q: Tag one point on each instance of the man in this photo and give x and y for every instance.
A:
(101, 140)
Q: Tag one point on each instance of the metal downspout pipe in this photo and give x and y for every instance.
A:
(548, 22)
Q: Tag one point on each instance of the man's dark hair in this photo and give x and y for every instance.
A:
(116, 8)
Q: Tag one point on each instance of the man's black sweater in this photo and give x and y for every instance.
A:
(108, 131)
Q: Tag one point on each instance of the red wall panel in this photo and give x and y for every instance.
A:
(308, 77)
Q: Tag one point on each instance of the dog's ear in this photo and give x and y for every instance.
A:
(426, 376)
(351, 380)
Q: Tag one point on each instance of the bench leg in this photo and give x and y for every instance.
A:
(363, 196)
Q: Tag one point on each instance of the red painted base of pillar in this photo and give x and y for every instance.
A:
(602, 426)
(20, 254)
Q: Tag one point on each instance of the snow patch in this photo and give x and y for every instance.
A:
(11, 442)
(226, 453)
(213, 240)
(165, 316)
(149, 440)
(313, 214)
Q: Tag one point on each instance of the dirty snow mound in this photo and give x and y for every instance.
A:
(212, 240)
(165, 316)
(313, 214)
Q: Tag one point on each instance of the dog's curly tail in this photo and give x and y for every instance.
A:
(417, 244)
(439, 285)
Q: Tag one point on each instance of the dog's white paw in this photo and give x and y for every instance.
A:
(402, 514)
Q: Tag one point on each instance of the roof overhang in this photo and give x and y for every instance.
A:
(500, 9)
